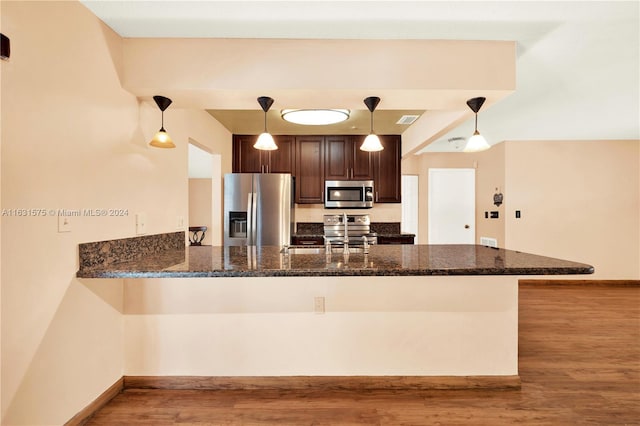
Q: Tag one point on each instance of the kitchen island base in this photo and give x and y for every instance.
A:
(372, 326)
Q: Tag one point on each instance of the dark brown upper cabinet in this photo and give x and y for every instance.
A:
(247, 159)
(314, 159)
(309, 169)
(387, 170)
(345, 161)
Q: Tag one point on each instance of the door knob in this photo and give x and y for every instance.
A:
(466, 227)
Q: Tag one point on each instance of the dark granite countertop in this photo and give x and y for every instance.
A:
(382, 260)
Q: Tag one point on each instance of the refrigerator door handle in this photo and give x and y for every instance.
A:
(254, 219)
(249, 218)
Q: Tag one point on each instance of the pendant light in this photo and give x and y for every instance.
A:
(476, 142)
(372, 141)
(162, 138)
(265, 141)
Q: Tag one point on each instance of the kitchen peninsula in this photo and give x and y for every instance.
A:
(400, 310)
(382, 260)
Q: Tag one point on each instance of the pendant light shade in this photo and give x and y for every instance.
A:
(265, 141)
(162, 138)
(476, 142)
(372, 141)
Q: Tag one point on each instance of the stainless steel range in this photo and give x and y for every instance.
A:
(358, 228)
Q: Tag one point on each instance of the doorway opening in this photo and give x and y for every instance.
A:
(205, 192)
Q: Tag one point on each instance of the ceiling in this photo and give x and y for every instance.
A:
(251, 122)
(578, 62)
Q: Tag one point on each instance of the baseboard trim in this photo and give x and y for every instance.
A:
(102, 400)
(595, 283)
(352, 383)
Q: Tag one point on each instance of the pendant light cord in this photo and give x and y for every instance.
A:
(371, 131)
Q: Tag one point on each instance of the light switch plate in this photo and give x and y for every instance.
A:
(64, 224)
(141, 223)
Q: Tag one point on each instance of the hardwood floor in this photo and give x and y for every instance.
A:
(579, 365)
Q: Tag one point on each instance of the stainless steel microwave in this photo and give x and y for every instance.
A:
(349, 194)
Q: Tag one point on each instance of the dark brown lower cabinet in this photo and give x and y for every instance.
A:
(395, 239)
(301, 240)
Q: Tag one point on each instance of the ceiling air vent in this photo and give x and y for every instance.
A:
(407, 119)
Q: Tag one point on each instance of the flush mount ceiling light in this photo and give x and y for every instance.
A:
(315, 117)
(265, 141)
(476, 142)
(372, 141)
(162, 138)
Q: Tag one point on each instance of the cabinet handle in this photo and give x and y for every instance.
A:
(376, 196)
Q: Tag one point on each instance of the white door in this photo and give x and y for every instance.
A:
(452, 206)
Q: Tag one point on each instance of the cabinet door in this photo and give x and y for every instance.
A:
(282, 160)
(246, 159)
(337, 158)
(309, 169)
(362, 161)
(387, 170)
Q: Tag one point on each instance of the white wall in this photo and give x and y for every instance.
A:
(200, 214)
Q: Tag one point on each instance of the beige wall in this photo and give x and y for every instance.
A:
(381, 212)
(489, 166)
(75, 139)
(266, 326)
(200, 213)
(580, 200)
(430, 75)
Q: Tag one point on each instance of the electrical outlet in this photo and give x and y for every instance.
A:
(180, 222)
(141, 223)
(64, 224)
(318, 305)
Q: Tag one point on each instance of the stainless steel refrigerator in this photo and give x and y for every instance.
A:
(258, 209)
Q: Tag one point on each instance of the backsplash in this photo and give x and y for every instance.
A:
(309, 228)
(104, 253)
(317, 228)
(379, 213)
(385, 228)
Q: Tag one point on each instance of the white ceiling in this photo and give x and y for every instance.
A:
(578, 69)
